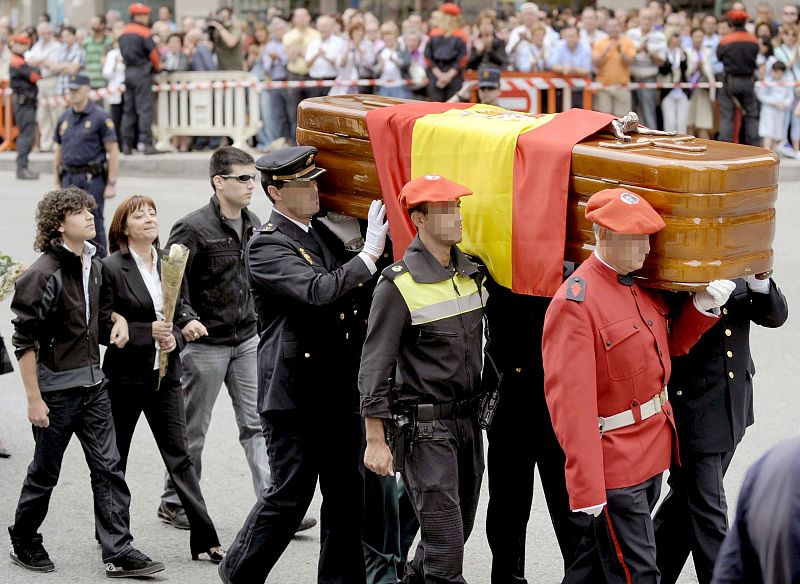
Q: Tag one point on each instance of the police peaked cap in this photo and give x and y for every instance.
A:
(287, 164)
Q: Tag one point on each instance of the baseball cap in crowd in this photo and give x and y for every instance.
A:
(77, 81)
(488, 77)
(431, 188)
(623, 212)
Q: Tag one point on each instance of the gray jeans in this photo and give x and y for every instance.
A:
(205, 367)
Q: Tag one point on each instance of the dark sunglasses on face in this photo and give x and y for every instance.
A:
(242, 178)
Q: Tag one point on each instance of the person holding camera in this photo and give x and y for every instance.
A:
(227, 38)
(612, 57)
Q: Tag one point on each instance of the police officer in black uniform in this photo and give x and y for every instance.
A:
(86, 150)
(307, 398)
(141, 61)
(711, 392)
(23, 80)
(737, 51)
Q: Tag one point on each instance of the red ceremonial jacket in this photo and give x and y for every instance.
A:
(602, 355)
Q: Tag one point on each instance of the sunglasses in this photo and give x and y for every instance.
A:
(242, 178)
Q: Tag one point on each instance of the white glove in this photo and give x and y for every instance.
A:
(715, 295)
(593, 511)
(756, 285)
(346, 228)
(376, 229)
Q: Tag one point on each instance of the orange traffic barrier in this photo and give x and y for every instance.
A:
(8, 131)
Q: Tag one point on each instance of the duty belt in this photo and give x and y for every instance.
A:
(93, 169)
(450, 410)
(627, 418)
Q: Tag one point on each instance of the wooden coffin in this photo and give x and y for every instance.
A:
(717, 199)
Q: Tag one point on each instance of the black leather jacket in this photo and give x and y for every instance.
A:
(218, 290)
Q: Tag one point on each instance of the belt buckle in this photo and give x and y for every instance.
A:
(601, 423)
(662, 398)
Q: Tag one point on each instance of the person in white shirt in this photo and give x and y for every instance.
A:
(589, 32)
(47, 48)
(521, 36)
(651, 53)
(114, 73)
(323, 53)
(393, 63)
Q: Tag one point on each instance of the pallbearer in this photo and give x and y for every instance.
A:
(606, 351)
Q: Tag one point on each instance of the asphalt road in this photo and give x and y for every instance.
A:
(68, 529)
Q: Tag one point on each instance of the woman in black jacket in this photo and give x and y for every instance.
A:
(487, 49)
(132, 287)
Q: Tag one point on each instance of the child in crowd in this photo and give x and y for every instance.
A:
(775, 101)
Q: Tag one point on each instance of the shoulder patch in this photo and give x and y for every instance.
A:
(397, 268)
(110, 123)
(576, 289)
(267, 228)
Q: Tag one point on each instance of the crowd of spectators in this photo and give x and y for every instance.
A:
(426, 58)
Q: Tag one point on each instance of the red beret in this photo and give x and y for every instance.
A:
(737, 16)
(623, 212)
(22, 39)
(137, 9)
(431, 188)
(450, 8)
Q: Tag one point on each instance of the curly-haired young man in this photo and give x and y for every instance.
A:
(58, 325)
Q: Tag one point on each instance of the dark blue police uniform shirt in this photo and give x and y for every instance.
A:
(83, 135)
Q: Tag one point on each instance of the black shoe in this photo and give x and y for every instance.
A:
(30, 554)
(150, 149)
(27, 174)
(132, 564)
(4, 453)
(173, 514)
(214, 557)
(126, 150)
(306, 524)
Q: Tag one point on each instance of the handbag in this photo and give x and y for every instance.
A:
(418, 76)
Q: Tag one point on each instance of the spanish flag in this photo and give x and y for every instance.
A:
(516, 164)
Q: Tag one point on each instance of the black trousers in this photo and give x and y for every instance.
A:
(619, 546)
(95, 185)
(743, 89)
(86, 413)
(137, 107)
(25, 120)
(443, 473)
(166, 415)
(522, 438)
(303, 447)
(445, 93)
(694, 516)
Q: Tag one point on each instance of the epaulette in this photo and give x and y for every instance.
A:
(267, 228)
(576, 289)
(397, 268)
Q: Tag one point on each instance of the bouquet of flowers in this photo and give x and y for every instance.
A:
(172, 269)
(10, 270)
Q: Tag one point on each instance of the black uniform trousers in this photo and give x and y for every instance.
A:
(137, 107)
(85, 412)
(389, 528)
(619, 546)
(741, 87)
(520, 439)
(165, 412)
(443, 473)
(95, 185)
(25, 120)
(693, 517)
(304, 446)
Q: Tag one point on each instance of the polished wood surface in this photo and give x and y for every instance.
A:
(718, 201)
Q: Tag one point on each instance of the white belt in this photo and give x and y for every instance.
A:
(647, 410)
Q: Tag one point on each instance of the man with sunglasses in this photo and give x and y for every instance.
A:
(219, 324)
(306, 299)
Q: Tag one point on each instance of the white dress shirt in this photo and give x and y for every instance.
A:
(152, 280)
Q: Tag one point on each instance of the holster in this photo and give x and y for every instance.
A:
(398, 436)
